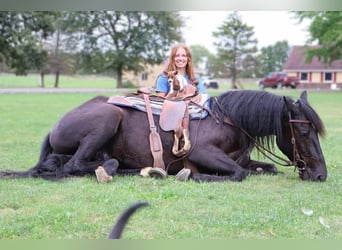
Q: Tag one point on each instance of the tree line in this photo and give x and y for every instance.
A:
(112, 42)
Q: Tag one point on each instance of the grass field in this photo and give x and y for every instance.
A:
(261, 207)
(33, 81)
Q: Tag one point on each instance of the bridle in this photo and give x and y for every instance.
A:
(297, 162)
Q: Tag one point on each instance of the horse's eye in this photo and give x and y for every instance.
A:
(304, 130)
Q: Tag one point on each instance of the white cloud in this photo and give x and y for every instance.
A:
(269, 27)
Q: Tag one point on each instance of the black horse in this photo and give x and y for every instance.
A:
(97, 133)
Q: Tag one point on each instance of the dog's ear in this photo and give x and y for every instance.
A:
(176, 72)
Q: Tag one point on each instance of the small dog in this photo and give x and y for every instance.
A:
(123, 219)
(177, 83)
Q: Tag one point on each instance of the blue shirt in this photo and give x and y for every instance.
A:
(163, 85)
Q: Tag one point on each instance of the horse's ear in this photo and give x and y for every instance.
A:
(304, 96)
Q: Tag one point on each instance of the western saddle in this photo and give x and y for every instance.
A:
(174, 116)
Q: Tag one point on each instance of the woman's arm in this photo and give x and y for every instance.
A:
(162, 86)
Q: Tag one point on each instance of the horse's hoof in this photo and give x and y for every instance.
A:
(144, 172)
(102, 176)
(158, 173)
(183, 174)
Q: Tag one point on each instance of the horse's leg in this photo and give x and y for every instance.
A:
(218, 162)
(83, 162)
(55, 166)
(84, 167)
(133, 171)
(198, 177)
(257, 167)
(85, 159)
(104, 173)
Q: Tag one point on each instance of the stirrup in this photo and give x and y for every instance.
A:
(158, 173)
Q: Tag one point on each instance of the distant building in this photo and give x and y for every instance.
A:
(314, 74)
(148, 77)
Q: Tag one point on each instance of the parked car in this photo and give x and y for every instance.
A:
(209, 82)
(278, 80)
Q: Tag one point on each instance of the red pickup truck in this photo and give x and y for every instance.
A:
(278, 80)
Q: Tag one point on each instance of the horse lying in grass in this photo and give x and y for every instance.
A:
(116, 137)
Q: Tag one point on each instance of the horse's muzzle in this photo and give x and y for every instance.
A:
(309, 175)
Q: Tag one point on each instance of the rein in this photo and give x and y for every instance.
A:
(296, 157)
(263, 150)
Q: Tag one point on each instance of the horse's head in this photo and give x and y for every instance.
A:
(299, 140)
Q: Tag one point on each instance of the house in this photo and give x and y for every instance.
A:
(148, 77)
(314, 74)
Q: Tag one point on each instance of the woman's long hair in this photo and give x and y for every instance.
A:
(189, 67)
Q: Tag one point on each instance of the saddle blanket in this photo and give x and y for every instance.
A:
(137, 103)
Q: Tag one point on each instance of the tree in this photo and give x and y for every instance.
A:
(209, 63)
(326, 29)
(20, 34)
(235, 45)
(216, 67)
(274, 56)
(200, 55)
(61, 48)
(127, 40)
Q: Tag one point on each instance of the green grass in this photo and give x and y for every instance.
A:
(261, 207)
(87, 81)
(33, 81)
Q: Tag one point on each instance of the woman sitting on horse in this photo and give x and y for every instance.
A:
(180, 60)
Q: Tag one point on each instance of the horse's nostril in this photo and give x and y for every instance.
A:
(320, 177)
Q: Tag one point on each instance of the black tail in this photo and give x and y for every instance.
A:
(45, 151)
(123, 219)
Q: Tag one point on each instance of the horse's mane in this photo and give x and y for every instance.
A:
(256, 112)
(259, 113)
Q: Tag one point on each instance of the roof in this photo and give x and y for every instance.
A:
(296, 61)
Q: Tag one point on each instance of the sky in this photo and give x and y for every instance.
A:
(269, 27)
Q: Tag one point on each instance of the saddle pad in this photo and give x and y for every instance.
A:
(172, 115)
(139, 104)
(120, 100)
